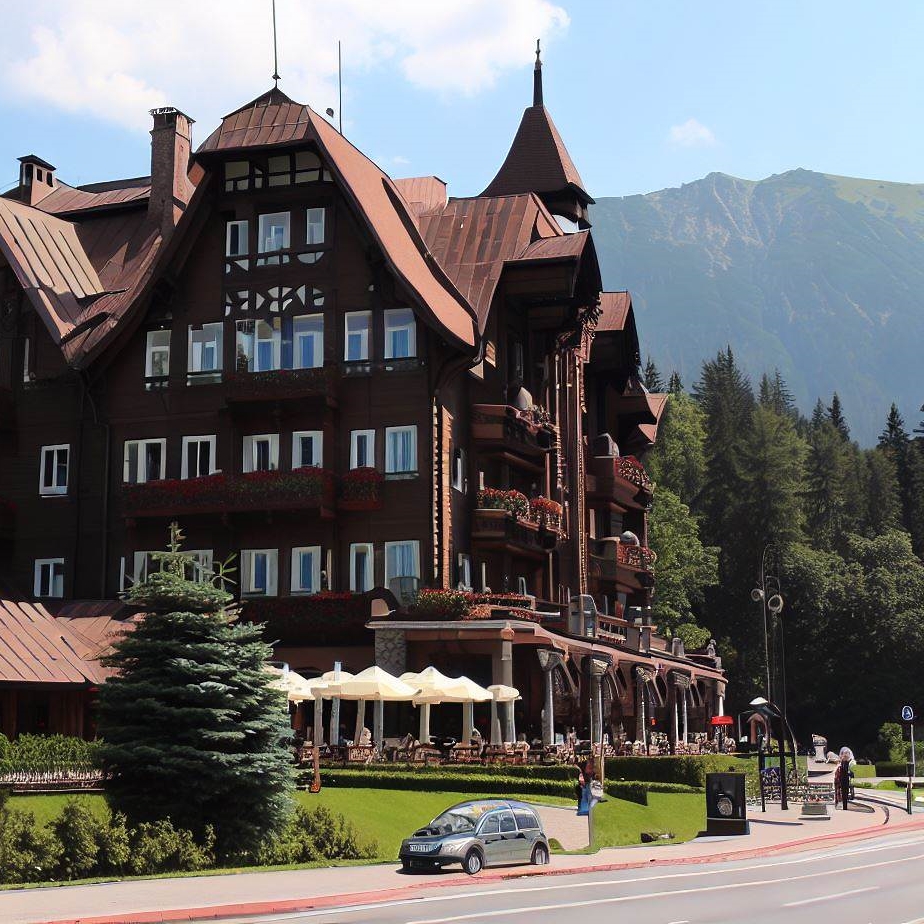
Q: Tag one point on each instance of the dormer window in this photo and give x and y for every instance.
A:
(237, 175)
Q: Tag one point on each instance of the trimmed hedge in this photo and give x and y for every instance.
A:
(687, 769)
(516, 771)
(891, 768)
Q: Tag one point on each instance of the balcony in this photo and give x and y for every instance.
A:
(618, 480)
(301, 489)
(281, 385)
(521, 438)
(325, 618)
(629, 567)
(502, 531)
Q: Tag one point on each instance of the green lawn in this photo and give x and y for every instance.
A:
(388, 815)
(618, 823)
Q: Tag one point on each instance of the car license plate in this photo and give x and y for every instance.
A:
(419, 848)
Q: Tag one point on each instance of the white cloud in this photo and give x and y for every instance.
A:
(400, 160)
(692, 134)
(114, 60)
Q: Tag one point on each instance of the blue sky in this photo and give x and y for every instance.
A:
(645, 94)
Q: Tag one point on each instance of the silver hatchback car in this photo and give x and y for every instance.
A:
(484, 832)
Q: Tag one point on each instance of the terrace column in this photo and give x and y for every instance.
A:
(317, 736)
(681, 692)
(641, 719)
(468, 722)
(686, 726)
(510, 721)
(598, 668)
(424, 736)
(548, 661)
(378, 723)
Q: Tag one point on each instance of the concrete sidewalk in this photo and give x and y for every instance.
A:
(203, 897)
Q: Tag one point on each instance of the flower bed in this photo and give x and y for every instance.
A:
(361, 489)
(543, 511)
(302, 487)
(514, 502)
(440, 604)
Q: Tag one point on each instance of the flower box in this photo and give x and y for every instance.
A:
(545, 512)
(361, 489)
(279, 384)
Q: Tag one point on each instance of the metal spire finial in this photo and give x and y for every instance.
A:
(537, 78)
(275, 53)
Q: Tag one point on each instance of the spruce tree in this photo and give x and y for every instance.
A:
(192, 730)
(652, 378)
(883, 494)
(819, 414)
(826, 486)
(894, 436)
(674, 384)
(836, 417)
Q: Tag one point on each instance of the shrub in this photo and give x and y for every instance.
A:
(159, 847)
(687, 769)
(316, 834)
(48, 753)
(77, 830)
(891, 744)
(27, 853)
(631, 792)
(891, 768)
(114, 843)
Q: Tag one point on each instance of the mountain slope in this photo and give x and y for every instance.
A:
(819, 275)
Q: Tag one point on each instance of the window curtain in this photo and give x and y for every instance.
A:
(402, 562)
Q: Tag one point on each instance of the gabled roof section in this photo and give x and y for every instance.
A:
(472, 239)
(37, 648)
(537, 161)
(614, 311)
(273, 119)
(50, 263)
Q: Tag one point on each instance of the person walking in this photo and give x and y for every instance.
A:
(844, 774)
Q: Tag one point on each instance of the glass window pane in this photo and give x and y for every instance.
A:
(314, 226)
(357, 336)
(274, 232)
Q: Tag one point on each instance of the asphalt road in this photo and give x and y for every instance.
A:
(872, 882)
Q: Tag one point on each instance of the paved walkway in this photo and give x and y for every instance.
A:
(222, 896)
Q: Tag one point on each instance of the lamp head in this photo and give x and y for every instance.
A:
(757, 595)
(775, 604)
(759, 701)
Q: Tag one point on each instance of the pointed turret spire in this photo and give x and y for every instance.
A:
(539, 162)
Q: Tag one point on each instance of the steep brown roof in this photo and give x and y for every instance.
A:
(95, 624)
(563, 247)
(422, 193)
(614, 311)
(66, 200)
(273, 119)
(472, 239)
(37, 648)
(537, 160)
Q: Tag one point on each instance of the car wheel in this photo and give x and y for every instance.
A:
(405, 866)
(472, 863)
(540, 855)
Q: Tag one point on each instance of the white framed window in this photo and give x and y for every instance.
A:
(261, 452)
(236, 242)
(308, 341)
(314, 226)
(459, 469)
(259, 345)
(274, 232)
(361, 572)
(356, 336)
(157, 354)
(27, 375)
(400, 450)
(362, 448)
(307, 448)
(306, 570)
(144, 564)
(201, 566)
(464, 566)
(205, 343)
(259, 571)
(198, 456)
(49, 577)
(402, 559)
(400, 333)
(53, 466)
(522, 589)
(144, 460)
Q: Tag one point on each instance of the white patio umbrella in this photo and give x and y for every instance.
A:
(457, 690)
(377, 685)
(333, 677)
(431, 682)
(507, 696)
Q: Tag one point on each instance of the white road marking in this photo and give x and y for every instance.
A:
(512, 886)
(827, 898)
(646, 895)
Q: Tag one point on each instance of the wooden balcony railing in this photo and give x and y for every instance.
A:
(361, 489)
(300, 489)
(630, 566)
(281, 385)
(501, 530)
(619, 479)
(506, 428)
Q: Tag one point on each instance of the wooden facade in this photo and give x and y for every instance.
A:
(337, 377)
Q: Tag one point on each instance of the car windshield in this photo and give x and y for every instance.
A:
(459, 818)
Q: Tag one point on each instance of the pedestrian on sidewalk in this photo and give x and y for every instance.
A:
(844, 774)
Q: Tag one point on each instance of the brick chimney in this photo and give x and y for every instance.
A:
(171, 145)
(36, 179)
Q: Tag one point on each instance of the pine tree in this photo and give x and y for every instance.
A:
(883, 493)
(674, 384)
(894, 436)
(826, 486)
(819, 415)
(652, 378)
(836, 416)
(192, 730)
(908, 457)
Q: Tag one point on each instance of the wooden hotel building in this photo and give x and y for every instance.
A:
(415, 420)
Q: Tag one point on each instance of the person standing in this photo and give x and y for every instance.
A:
(844, 774)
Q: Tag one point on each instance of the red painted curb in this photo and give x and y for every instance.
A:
(241, 909)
